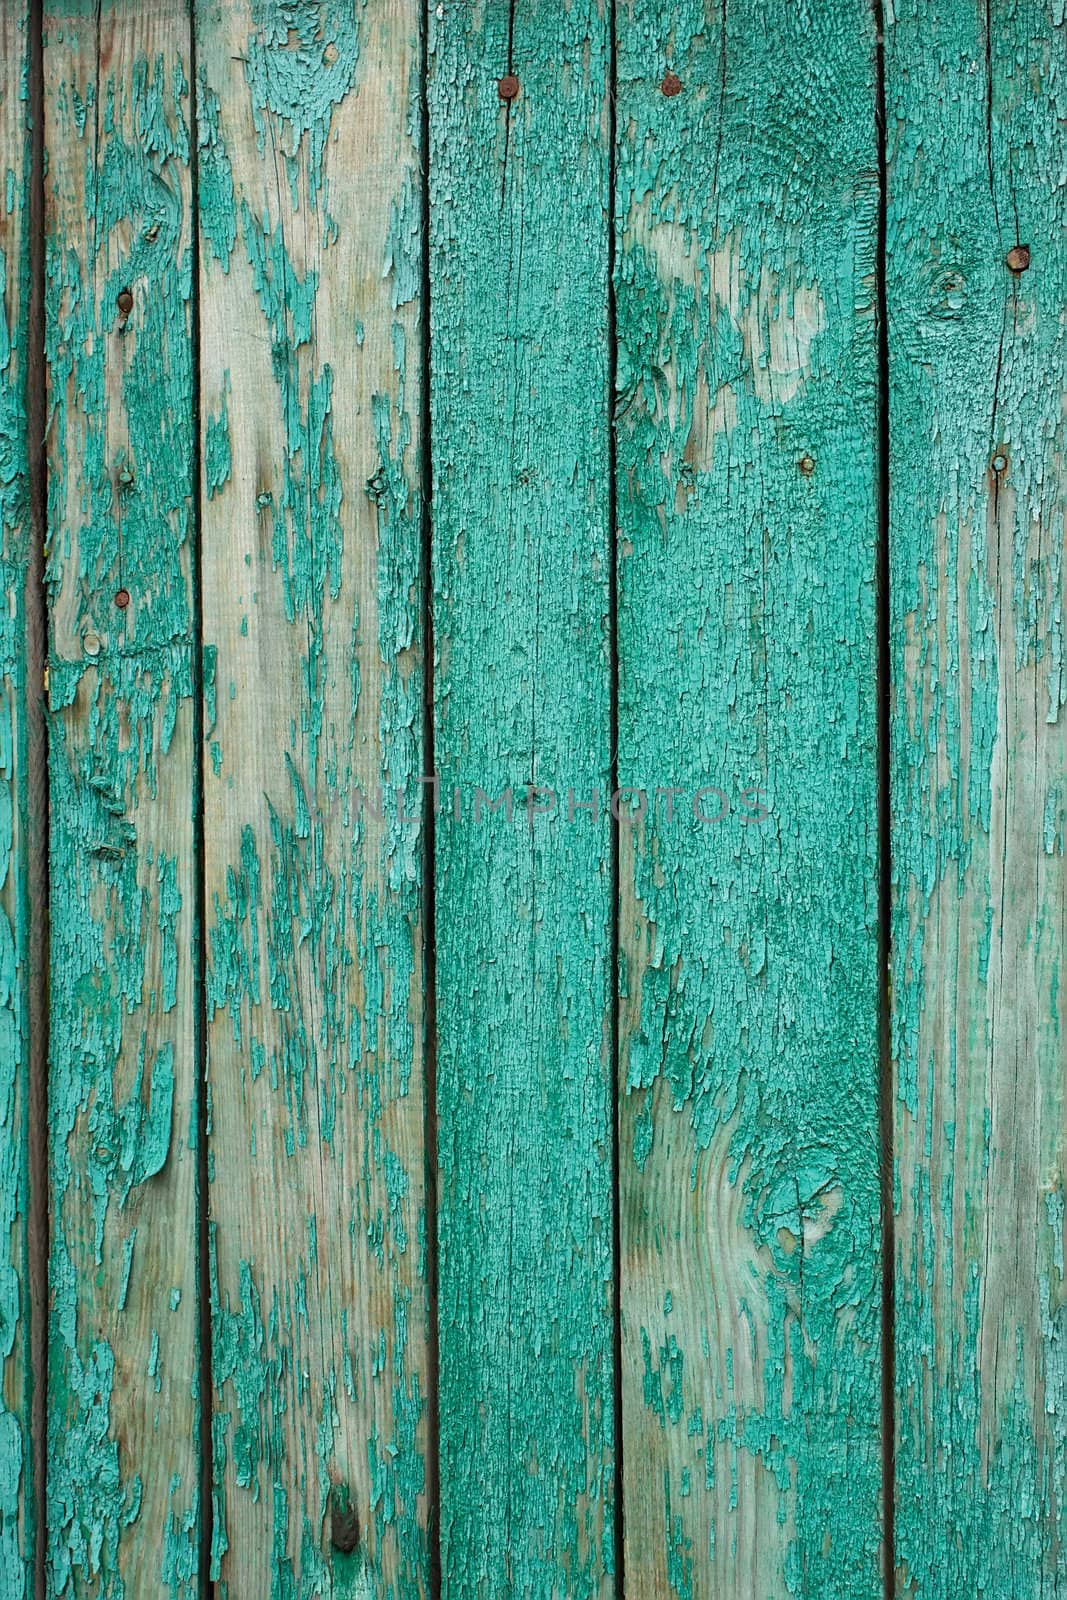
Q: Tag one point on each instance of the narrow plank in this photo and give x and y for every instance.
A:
(123, 1354)
(747, 216)
(519, 296)
(311, 388)
(976, 99)
(16, 835)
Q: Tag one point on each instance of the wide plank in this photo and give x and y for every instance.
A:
(123, 1475)
(311, 366)
(976, 271)
(519, 245)
(746, 209)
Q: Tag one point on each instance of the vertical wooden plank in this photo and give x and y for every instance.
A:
(16, 533)
(976, 99)
(747, 510)
(519, 297)
(123, 1403)
(310, 209)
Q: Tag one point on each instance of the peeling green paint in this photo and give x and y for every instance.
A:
(746, 435)
(16, 1507)
(519, 298)
(216, 213)
(217, 462)
(747, 502)
(314, 977)
(122, 1473)
(976, 101)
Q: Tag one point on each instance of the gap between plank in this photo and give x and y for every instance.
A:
(429, 843)
(36, 616)
(885, 865)
(206, 1584)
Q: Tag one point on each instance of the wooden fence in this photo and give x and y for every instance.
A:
(533, 787)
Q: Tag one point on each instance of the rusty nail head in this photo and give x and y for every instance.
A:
(122, 599)
(1018, 257)
(508, 87)
(671, 84)
(806, 465)
(125, 302)
(1000, 461)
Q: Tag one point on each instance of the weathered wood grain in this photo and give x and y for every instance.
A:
(16, 813)
(519, 301)
(123, 1378)
(976, 99)
(747, 507)
(310, 212)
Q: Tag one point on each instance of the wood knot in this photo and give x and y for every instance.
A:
(344, 1523)
(377, 487)
(945, 296)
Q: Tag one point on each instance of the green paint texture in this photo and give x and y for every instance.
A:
(123, 1365)
(976, 102)
(743, 342)
(311, 386)
(746, 214)
(519, 299)
(16, 814)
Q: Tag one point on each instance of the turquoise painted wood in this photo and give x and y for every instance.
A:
(746, 216)
(19, 810)
(124, 1377)
(976, 271)
(521, 607)
(311, 513)
(496, 972)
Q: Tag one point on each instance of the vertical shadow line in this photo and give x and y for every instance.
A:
(203, 1287)
(37, 888)
(613, 779)
(429, 848)
(885, 864)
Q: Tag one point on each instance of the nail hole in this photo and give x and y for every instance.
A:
(122, 599)
(508, 87)
(125, 302)
(806, 465)
(671, 85)
(1018, 257)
